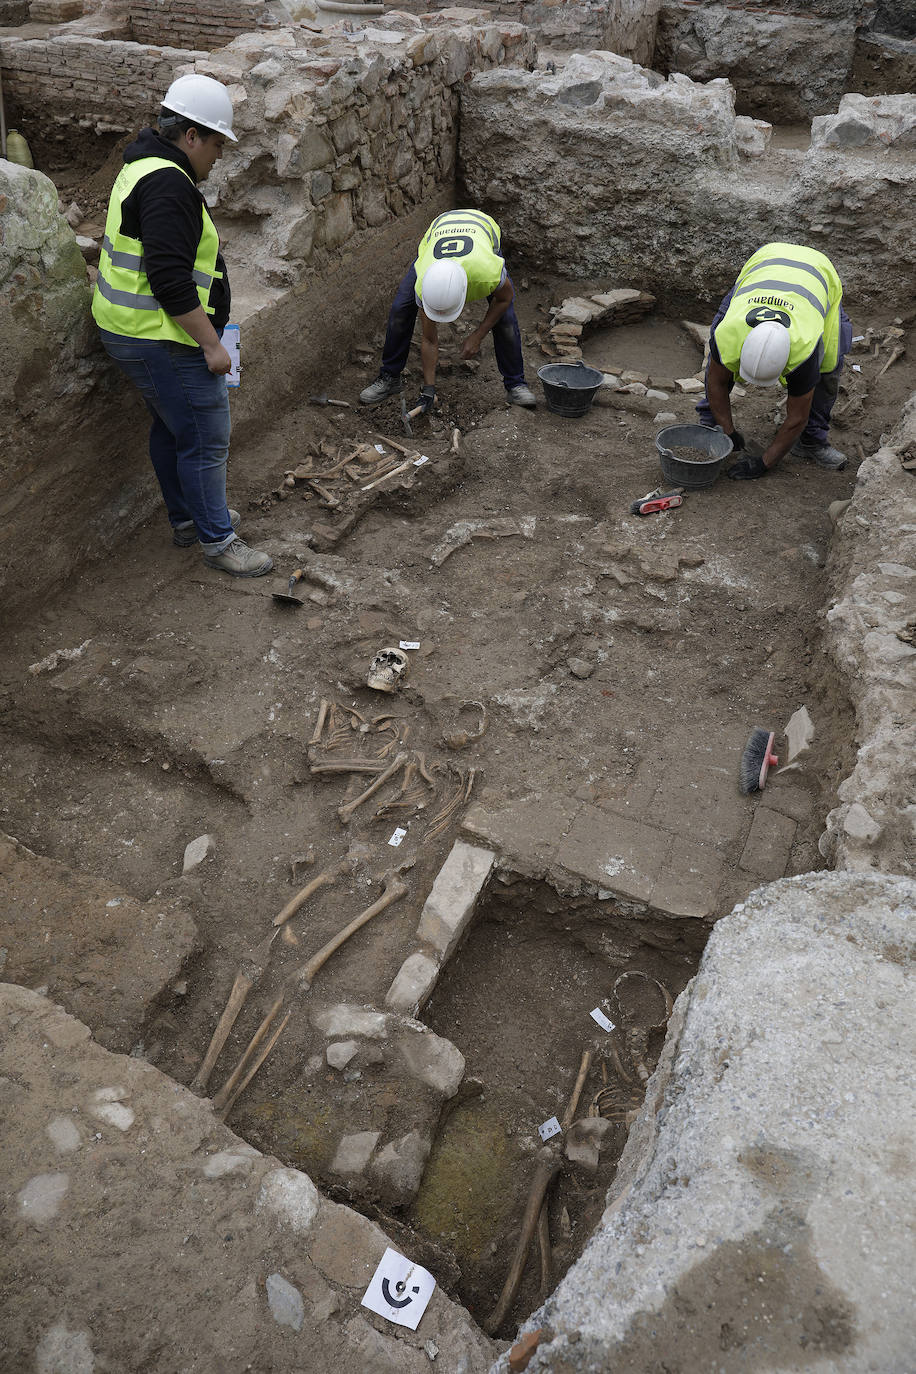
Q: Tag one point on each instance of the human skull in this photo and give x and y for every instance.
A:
(387, 670)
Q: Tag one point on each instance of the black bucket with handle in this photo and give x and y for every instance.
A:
(569, 388)
(703, 451)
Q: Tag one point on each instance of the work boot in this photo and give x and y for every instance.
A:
(240, 561)
(819, 452)
(384, 386)
(521, 395)
(186, 535)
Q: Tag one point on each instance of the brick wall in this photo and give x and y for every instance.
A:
(205, 24)
(87, 83)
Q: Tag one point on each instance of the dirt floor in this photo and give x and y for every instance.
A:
(617, 658)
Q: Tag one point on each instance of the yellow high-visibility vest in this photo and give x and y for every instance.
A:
(470, 238)
(123, 300)
(797, 286)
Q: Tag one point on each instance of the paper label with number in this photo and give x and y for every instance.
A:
(599, 1016)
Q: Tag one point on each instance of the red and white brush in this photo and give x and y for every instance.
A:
(757, 759)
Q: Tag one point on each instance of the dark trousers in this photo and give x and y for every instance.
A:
(402, 317)
(825, 393)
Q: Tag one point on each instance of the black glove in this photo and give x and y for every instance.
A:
(427, 396)
(737, 439)
(747, 469)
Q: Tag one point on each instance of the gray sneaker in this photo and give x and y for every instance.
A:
(822, 454)
(379, 390)
(240, 561)
(184, 537)
(521, 396)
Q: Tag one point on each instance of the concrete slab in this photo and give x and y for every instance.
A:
(690, 879)
(164, 1239)
(614, 852)
(528, 832)
(450, 905)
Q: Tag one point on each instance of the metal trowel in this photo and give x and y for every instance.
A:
(286, 598)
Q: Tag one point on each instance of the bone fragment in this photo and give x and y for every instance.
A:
(898, 352)
(240, 990)
(330, 875)
(255, 1066)
(545, 1251)
(569, 1114)
(345, 812)
(465, 530)
(459, 739)
(222, 1097)
(402, 467)
(328, 499)
(319, 724)
(347, 766)
(395, 888)
(546, 1166)
(393, 443)
(456, 436)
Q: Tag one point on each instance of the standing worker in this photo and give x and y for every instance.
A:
(781, 323)
(458, 260)
(162, 301)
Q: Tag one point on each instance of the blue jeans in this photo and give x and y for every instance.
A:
(189, 437)
(402, 317)
(825, 393)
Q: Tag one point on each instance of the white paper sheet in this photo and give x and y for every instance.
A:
(399, 1290)
(232, 344)
(599, 1016)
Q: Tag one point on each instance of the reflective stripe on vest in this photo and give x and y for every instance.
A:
(123, 301)
(805, 295)
(469, 237)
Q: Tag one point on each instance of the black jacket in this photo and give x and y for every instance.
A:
(163, 212)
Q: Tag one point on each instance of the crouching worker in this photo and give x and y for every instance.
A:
(781, 323)
(458, 260)
(162, 301)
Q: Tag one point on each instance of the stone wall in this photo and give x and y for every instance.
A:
(657, 185)
(626, 27)
(784, 67)
(205, 24)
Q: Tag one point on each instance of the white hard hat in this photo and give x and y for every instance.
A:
(202, 99)
(765, 353)
(444, 287)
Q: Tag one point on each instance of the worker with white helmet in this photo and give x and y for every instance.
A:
(162, 301)
(459, 260)
(782, 323)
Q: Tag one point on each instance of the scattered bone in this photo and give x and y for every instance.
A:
(401, 467)
(394, 889)
(460, 739)
(465, 530)
(330, 875)
(319, 724)
(240, 990)
(226, 1092)
(345, 812)
(255, 1066)
(456, 437)
(547, 1164)
(898, 352)
(393, 443)
(327, 498)
(569, 1114)
(347, 766)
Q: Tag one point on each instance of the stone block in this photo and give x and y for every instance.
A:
(344, 1019)
(583, 1141)
(450, 905)
(340, 1053)
(431, 1059)
(769, 844)
(354, 1152)
(398, 1168)
(528, 832)
(197, 851)
(413, 984)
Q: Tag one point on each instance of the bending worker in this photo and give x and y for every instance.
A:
(162, 301)
(458, 260)
(782, 322)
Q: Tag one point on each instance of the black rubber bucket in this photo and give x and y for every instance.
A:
(712, 447)
(569, 388)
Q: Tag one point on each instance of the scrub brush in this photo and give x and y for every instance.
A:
(756, 759)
